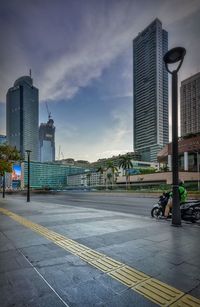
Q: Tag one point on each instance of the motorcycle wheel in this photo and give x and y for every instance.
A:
(197, 214)
(156, 212)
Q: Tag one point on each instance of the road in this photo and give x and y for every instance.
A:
(126, 203)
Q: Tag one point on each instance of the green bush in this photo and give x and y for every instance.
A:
(149, 170)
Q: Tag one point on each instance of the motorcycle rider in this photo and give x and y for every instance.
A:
(182, 197)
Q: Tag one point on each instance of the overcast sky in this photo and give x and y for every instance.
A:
(80, 53)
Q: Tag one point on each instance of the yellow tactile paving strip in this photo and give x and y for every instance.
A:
(153, 289)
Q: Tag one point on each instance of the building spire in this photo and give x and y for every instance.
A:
(30, 72)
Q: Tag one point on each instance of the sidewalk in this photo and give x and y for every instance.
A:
(88, 257)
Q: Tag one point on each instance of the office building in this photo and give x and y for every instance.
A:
(47, 141)
(150, 85)
(190, 105)
(22, 117)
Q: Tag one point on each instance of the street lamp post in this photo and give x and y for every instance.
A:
(4, 185)
(28, 184)
(173, 56)
(198, 169)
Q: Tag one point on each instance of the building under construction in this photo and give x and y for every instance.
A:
(47, 140)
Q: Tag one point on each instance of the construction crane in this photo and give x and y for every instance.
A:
(49, 113)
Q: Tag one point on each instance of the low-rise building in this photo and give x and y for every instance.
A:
(2, 139)
(188, 151)
(48, 174)
(135, 156)
(86, 179)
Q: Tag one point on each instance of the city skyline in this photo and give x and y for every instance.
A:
(82, 64)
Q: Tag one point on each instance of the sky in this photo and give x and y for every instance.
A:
(80, 54)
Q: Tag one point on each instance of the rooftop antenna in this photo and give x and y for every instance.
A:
(30, 72)
(49, 113)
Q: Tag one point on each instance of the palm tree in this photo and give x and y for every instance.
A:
(88, 178)
(109, 176)
(113, 168)
(100, 170)
(126, 163)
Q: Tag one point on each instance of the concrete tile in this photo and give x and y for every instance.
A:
(125, 252)
(25, 237)
(196, 291)
(12, 260)
(129, 298)
(178, 279)
(67, 275)
(111, 284)
(22, 285)
(38, 253)
(47, 300)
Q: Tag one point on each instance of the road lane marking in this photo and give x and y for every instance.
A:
(156, 291)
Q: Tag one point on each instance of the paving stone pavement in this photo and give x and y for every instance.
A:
(34, 271)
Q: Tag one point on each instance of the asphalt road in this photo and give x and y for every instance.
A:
(126, 203)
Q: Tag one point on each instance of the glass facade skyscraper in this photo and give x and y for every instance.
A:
(150, 86)
(22, 107)
(190, 105)
(47, 141)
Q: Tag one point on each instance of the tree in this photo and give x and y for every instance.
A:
(126, 163)
(113, 168)
(110, 177)
(100, 170)
(8, 155)
(88, 178)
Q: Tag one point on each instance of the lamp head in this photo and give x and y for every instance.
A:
(174, 55)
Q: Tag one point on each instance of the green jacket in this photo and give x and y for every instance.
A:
(182, 194)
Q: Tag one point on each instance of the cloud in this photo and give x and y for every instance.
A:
(69, 44)
(114, 137)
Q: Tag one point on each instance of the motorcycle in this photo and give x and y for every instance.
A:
(190, 211)
(158, 209)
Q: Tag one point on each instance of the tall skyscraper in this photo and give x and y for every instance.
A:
(47, 141)
(22, 116)
(190, 105)
(150, 86)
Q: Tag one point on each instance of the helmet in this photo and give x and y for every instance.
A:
(180, 182)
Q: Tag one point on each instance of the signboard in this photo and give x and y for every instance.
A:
(16, 176)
